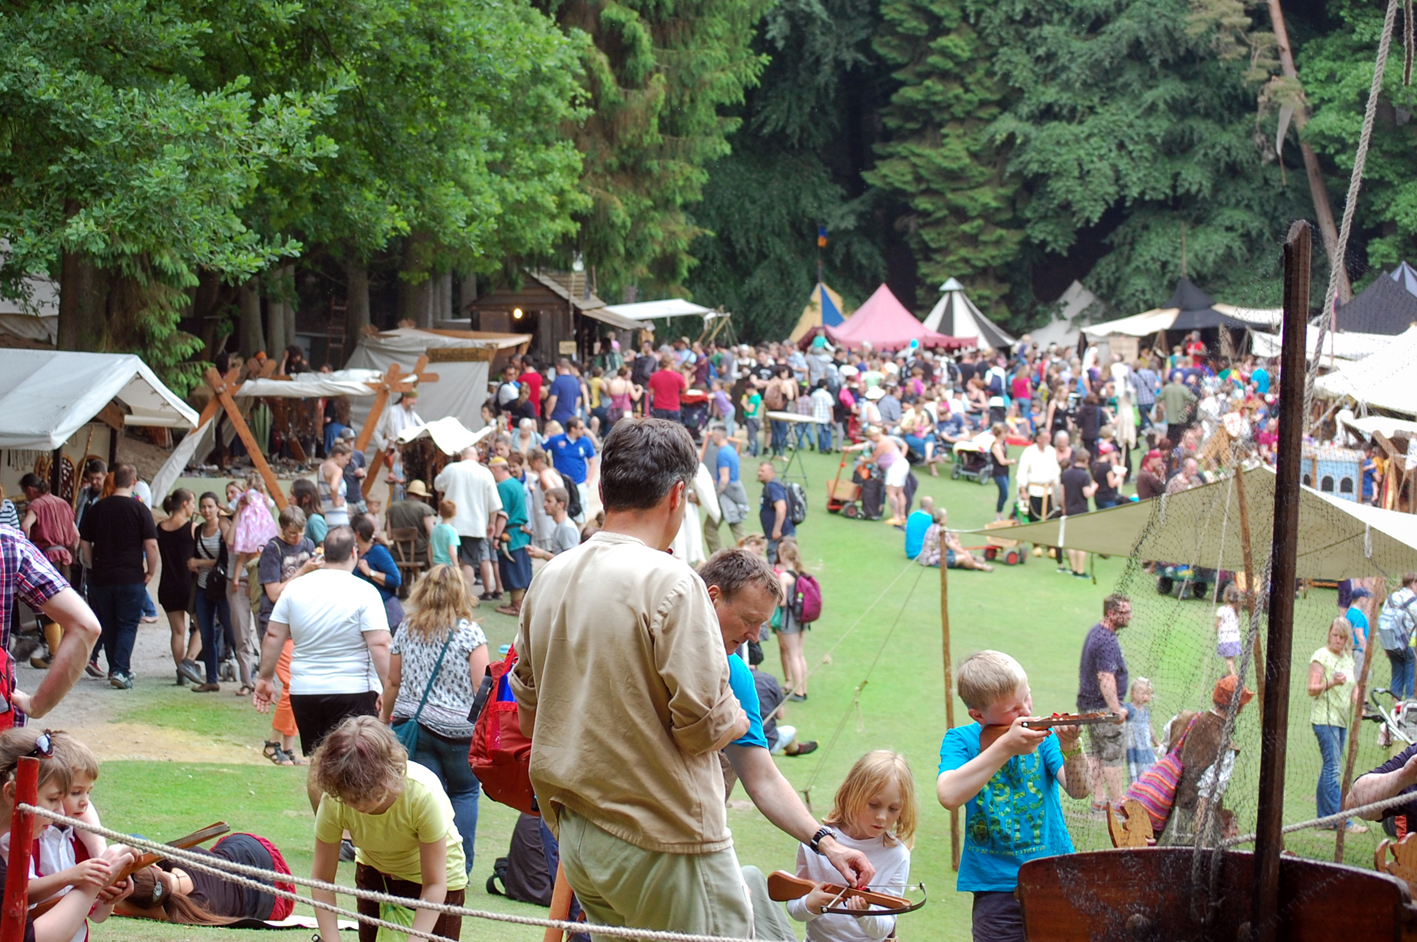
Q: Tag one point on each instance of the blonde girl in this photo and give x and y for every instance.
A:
(874, 812)
(254, 525)
(791, 642)
(1227, 627)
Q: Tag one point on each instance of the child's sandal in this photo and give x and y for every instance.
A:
(276, 754)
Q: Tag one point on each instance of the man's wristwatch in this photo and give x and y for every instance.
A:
(816, 842)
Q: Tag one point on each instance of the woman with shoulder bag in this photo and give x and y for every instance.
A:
(210, 561)
(436, 664)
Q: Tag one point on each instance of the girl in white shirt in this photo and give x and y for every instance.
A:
(874, 812)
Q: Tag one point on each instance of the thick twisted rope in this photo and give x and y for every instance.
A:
(1328, 820)
(1350, 206)
(259, 879)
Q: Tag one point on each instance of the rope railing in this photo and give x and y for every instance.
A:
(1328, 820)
(261, 879)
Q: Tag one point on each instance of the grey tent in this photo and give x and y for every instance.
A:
(1387, 306)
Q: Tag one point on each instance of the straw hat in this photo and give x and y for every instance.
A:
(417, 489)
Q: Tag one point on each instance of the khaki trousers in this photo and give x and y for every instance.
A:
(619, 884)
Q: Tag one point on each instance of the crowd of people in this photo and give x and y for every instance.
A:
(369, 659)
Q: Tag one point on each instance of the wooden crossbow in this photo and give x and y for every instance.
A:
(783, 886)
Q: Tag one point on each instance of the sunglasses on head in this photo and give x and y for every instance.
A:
(43, 749)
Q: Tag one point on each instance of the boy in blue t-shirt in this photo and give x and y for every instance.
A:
(1007, 777)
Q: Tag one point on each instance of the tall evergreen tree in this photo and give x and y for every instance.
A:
(659, 76)
(939, 155)
(1122, 118)
(797, 164)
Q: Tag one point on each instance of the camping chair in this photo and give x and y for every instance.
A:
(404, 540)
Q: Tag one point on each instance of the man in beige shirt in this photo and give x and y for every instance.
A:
(623, 687)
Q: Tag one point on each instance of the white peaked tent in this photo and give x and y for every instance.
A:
(955, 315)
(1385, 380)
(1073, 310)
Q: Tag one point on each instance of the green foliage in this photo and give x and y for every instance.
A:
(940, 157)
(791, 171)
(1122, 107)
(107, 149)
(658, 74)
(1337, 71)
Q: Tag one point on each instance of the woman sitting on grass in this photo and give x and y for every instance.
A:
(401, 822)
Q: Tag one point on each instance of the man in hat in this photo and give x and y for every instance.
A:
(354, 474)
(395, 420)
(414, 512)
(1358, 620)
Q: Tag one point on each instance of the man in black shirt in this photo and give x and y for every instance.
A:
(118, 542)
(1078, 486)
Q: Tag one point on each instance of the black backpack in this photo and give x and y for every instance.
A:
(796, 503)
(523, 872)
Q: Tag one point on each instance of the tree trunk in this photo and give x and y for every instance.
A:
(414, 303)
(83, 303)
(208, 298)
(248, 326)
(1323, 211)
(291, 301)
(275, 326)
(445, 299)
(356, 314)
(467, 294)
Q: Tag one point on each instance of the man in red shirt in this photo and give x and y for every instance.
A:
(532, 379)
(665, 385)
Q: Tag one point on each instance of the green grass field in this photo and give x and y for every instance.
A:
(882, 687)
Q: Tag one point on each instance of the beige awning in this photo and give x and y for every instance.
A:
(1338, 539)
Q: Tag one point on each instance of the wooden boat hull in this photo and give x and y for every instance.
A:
(1147, 895)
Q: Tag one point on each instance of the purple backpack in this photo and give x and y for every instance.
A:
(806, 599)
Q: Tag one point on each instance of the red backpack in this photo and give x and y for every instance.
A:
(806, 599)
(500, 755)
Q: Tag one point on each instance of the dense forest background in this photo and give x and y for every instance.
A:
(192, 170)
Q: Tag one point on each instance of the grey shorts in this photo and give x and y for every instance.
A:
(1107, 742)
(474, 550)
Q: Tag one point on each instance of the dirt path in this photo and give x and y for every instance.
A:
(91, 708)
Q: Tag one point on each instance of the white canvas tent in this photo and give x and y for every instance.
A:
(1343, 345)
(956, 316)
(1385, 380)
(448, 434)
(659, 310)
(32, 318)
(461, 364)
(1338, 539)
(1071, 312)
(48, 395)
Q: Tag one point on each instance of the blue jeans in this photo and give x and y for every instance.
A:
(754, 447)
(149, 608)
(447, 758)
(208, 614)
(800, 430)
(779, 436)
(1329, 796)
(672, 415)
(1002, 483)
(1404, 665)
(119, 609)
(824, 438)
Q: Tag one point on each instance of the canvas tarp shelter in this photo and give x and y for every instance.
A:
(660, 310)
(462, 382)
(313, 385)
(1343, 345)
(1189, 308)
(1385, 380)
(956, 316)
(48, 395)
(1338, 539)
(1073, 311)
(885, 324)
(450, 435)
(824, 309)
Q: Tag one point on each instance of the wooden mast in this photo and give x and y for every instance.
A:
(1264, 915)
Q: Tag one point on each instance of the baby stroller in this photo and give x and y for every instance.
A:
(972, 459)
(1190, 582)
(694, 404)
(871, 494)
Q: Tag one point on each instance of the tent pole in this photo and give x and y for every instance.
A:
(1264, 915)
(1251, 592)
(949, 689)
(244, 432)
